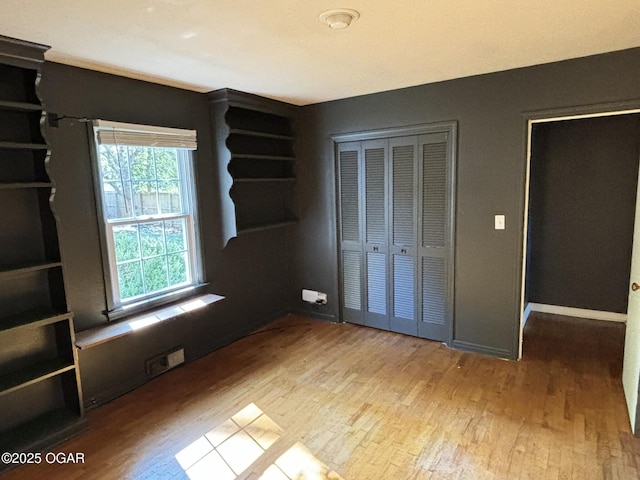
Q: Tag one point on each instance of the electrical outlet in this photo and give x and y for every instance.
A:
(165, 361)
(175, 358)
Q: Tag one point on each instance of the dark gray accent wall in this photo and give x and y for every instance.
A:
(491, 112)
(582, 204)
(252, 271)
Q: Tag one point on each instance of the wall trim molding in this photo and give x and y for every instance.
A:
(114, 392)
(401, 131)
(326, 317)
(575, 312)
(525, 315)
(482, 349)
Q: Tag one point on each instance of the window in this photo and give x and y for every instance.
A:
(147, 202)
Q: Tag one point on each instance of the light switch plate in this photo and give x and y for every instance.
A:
(499, 222)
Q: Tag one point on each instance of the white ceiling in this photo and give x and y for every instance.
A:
(280, 49)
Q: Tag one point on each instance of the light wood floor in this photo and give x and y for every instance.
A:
(343, 401)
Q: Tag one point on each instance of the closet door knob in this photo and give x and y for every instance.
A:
(635, 286)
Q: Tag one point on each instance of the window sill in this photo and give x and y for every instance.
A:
(144, 306)
(97, 336)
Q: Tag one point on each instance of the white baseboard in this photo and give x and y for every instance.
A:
(525, 315)
(574, 312)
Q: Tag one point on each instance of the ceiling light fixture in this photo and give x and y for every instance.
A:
(339, 18)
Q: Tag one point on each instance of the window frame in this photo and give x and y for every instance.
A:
(117, 309)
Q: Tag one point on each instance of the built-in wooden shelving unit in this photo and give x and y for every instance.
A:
(255, 143)
(40, 394)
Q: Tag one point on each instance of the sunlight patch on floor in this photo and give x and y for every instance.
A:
(298, 463)
(232, 447)
(229, 449)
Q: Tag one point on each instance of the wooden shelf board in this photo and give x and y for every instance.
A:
(248, 156)
(8, 270)
(20, 106)
(266, 226)
(264, 180)
(33, 374)
(43, 431)
(254, 133)
(23, 146)
(33, 318)
(19, 185)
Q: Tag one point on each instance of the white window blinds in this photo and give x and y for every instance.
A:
(116, 133)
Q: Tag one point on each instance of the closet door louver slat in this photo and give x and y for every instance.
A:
(403, 217)
(434, 197)
(433, 290)
(351, 285)
(377, 283)
(350, 209)
(375, 195)
(403, 287)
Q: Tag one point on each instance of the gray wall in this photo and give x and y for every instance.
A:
(582, 204)
(252, 271)
(490, 111)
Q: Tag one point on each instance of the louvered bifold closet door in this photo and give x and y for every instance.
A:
(376, 237)
(434, 246)
(403, 234)
(350, 216)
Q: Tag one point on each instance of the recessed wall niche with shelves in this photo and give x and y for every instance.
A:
(40, 394)
(255, 138)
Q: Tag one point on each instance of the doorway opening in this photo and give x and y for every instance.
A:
(581, 178)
